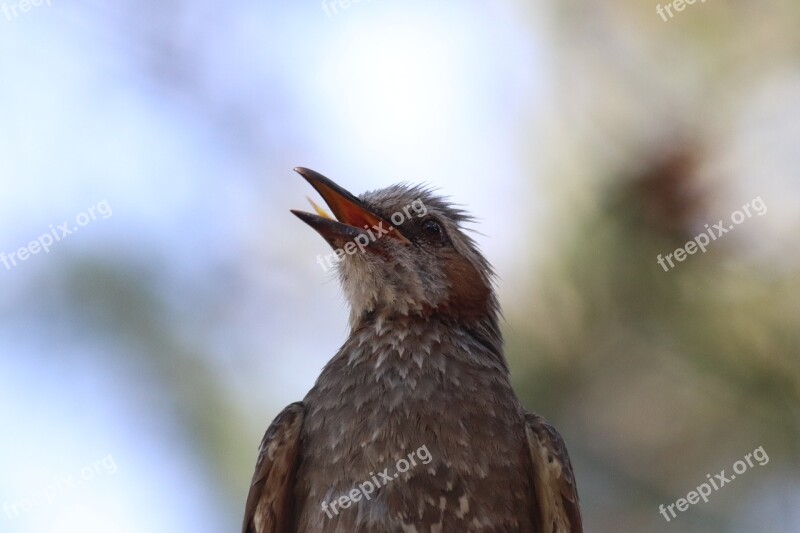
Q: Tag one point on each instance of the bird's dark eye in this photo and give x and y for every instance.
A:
(432, 229)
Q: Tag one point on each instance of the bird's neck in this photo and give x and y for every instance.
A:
(423, 331)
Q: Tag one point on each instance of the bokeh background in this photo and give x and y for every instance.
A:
(587, 137)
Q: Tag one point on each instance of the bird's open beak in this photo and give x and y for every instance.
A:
(353, 218)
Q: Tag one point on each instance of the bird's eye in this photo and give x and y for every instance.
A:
(432, 228)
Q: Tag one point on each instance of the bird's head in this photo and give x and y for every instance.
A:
(400, 251)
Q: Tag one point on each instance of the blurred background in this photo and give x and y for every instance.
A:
(182, 307)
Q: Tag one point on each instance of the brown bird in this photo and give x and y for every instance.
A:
(422, 370)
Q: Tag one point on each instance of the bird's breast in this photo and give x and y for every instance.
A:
(411, 429)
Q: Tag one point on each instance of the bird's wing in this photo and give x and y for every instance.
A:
(554, 482)
(269, 501)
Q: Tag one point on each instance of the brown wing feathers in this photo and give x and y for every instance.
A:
(554, 482)
(268, 507)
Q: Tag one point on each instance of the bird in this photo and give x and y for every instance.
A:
(422, 370)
